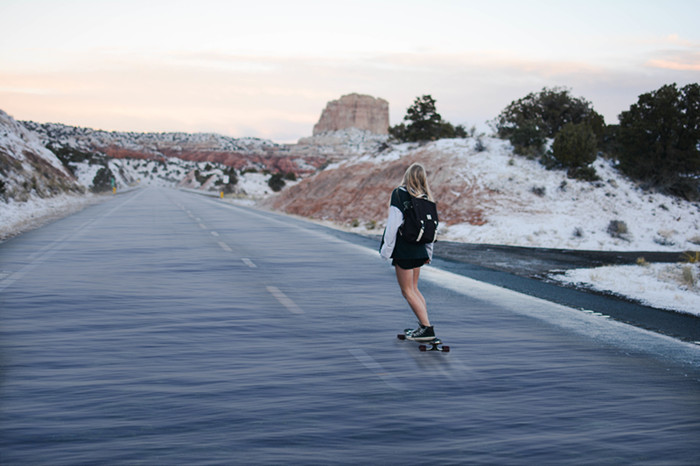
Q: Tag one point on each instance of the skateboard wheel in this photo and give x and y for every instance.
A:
(423, 348)
(401, 336)
(445, 349)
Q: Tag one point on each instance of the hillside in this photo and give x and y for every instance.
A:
(27, 168)
(238, 153)
(496, 197)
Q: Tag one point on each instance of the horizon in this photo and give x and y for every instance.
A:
(268, 70)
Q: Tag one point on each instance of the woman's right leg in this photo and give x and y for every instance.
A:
(408, 281)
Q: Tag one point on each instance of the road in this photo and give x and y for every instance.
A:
(163, 327)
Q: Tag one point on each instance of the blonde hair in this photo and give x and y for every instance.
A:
(415, 181)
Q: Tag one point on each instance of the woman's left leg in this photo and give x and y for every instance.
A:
(408, 281)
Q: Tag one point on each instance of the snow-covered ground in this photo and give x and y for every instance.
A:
(664, 286)
(18, 217)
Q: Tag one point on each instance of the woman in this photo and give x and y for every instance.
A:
(408, 257)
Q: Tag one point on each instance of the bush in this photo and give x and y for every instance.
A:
(575, 148)
(276, 183)
(103, 180)
(528, 122)
(618, 229)
(658, 140)
(575, 145)
(538, 191)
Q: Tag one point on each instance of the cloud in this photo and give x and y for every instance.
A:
(281, 98)
(676, 60)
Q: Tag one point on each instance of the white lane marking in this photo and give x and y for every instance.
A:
(248, 262)
(202, 226)
(369, 362)
(284, 300)
(213, 233)
(225, 246)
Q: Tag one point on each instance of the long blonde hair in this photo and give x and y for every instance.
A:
(415, 181)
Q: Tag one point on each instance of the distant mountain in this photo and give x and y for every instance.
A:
(238, 153)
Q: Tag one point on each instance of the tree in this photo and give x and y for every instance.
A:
(276, 183)
(529, 121)
(575, 148)
(424, 123)
(658, 140)
(103, 180)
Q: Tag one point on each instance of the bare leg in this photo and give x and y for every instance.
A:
(408, 281)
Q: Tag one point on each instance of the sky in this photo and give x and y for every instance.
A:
(267, 68)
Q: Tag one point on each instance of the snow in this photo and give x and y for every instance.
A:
(664, 286)
(17, 217)
(16, 140)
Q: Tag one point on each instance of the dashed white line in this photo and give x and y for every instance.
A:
(284, 300)
(213, 233)
(248, 262)
(202, 226)
(225, 246)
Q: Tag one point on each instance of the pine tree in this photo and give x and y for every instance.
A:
(659, 140)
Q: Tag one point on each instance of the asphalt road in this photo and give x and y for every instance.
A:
(165, 327)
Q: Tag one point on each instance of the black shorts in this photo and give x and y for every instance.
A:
(408, 264)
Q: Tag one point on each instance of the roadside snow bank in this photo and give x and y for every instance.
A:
(18, 217)
(664, 286)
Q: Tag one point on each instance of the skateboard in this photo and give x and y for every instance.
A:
(435, 343)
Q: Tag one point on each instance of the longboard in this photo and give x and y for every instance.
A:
(435, 343)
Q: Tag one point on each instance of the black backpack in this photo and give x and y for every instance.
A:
(420, 220)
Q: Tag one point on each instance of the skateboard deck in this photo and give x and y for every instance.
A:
(435, 344)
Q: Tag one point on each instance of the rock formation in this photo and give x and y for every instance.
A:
(363, 112)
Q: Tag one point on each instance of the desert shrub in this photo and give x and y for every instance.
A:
(538, 191)
(575, 147)
(528, 122)
(232, 179)
(618, 229)
(642, 262)
(2, 188)
(691, 257)
(658, 140)
(200, 177)
(103, 180)
(69, 155)
(276, 182)
(688, 277)
(583, 173)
